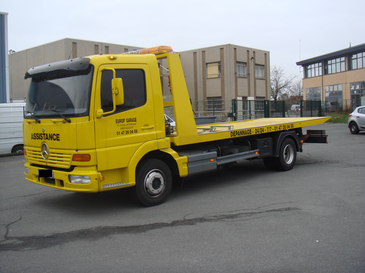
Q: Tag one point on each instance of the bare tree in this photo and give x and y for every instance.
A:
(280, 84)
(296, 88)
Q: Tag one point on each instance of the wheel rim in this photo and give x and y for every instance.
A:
(154, 183)
(288, 154)
(353, 128)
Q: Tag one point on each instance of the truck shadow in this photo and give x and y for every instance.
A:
(90, 203)
(124, 200)
(239, 173)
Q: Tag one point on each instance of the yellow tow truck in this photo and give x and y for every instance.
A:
(97, 123)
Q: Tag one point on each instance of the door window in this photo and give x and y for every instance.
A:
(134, 89)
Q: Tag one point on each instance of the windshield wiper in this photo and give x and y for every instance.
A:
(33, 115)
(59, 112)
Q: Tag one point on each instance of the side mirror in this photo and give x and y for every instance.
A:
(99, 113)
(117, 93)
(117, 86)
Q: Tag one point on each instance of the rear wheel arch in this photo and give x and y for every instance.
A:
(280, 137)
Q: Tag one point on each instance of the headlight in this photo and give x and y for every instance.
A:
(79, 179)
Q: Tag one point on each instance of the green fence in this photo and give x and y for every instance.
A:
(270, 109)
(253, 109)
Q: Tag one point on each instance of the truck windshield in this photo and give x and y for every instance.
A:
(65, 95)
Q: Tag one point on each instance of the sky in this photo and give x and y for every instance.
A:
(291, 30)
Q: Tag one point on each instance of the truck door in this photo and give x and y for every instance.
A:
(120, 134)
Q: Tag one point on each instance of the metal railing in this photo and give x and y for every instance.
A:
(253, 109)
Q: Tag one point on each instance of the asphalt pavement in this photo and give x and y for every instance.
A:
(239, 219)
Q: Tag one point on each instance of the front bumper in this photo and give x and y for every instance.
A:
(60, 179)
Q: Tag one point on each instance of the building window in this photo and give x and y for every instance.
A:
(260, 71)
(106, 49)
(357, 91)
(214, 104)
(358, 60)
(335, 65)
(213, 70)
(74, 50)
(313, 70)
(96, 49)
(333, 94)
(244, 103)
(313, 93)
(241, 70)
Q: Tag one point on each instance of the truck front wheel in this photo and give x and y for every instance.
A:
(154, 182)
(287, 155)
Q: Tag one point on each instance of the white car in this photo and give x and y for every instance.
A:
(356, 121)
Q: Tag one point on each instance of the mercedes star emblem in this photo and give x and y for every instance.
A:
(44, 150)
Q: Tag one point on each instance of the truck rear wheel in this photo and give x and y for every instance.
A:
(287, 155)
(154, 182)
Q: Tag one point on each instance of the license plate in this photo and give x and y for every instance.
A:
(45, 173)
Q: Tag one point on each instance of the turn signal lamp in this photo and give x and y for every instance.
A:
(152, 50)
(81, 157)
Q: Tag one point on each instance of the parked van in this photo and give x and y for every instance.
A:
(11, 127)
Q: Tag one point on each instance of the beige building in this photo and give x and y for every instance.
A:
(218, 74)
(214, 75)
(21, 61)
(337, 78)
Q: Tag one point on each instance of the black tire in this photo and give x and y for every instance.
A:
(153, 183)
(17, 149)
(269, 163)
(287, 155)
(353, 128)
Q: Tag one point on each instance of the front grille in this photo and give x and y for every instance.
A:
(57, 158)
